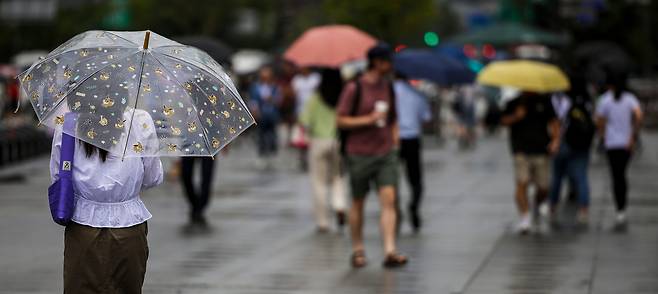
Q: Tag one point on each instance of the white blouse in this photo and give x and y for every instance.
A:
(107, 193)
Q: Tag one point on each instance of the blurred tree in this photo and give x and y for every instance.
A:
(394, 21)
(70, 21)
(627, 23)
(181, 17)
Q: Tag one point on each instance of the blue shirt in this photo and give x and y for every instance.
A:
(413, 110)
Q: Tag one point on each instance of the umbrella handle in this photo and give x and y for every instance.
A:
(147, 36)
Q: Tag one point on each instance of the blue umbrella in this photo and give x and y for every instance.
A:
(432, 66)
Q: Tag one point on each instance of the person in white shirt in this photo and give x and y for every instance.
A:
(619, 118)
(105, 246)
(304, 84)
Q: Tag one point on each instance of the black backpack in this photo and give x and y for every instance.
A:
(580, 127)
(343, 134)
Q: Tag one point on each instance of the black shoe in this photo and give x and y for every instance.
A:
(340, 219)
(416, 221)
(198, 220)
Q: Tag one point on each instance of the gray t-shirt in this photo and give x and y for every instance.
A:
(619, 118)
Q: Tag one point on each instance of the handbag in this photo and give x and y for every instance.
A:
(298, 138)
(60, 194)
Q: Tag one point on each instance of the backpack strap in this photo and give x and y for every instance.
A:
(356, 100)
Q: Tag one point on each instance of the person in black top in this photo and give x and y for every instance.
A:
(534, 136)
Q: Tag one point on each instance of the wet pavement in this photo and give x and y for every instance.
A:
(263, 238)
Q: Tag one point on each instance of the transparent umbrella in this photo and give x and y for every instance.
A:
(137, 94)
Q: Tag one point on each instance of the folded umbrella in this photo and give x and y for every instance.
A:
(432, 66)
(525, 75)
(329, 46)
(137, 94)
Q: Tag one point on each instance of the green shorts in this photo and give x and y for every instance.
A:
(364, 170)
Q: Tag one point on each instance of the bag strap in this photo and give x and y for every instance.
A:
(68, 146)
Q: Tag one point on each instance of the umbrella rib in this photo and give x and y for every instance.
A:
(49, 58)
(88, 47)
(111, 33)
(132, 116)
(208, 73)
(41, 120)
(193, 105)
(190, 62)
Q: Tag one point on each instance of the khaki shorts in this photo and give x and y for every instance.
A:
(382, 171)
(532, 169)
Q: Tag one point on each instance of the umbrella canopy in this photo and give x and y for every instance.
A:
(525, 75)
(215, 48)
(598, 59)
(137, 94)
(329, 46)
(432, 66)
(505, 34)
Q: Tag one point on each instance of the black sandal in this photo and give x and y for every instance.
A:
(358, 259)
(394, 260)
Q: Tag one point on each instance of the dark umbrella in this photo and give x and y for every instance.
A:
(432, 66)
(215, 48)
(599, 59)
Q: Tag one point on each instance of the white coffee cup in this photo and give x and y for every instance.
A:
(381, 106)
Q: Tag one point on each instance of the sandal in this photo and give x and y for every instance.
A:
(359, 259)
(394, 260)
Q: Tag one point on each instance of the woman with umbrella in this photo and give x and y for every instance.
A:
(109, 225)
(116, 105)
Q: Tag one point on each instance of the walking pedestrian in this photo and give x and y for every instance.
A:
(619, 118)
(266, 96)
(575, 111)
(534, 136)
(198, 198)
(319, 118)
(464, 107)
(367, 111)
(412, 110)
(105, 244)
(304, 84)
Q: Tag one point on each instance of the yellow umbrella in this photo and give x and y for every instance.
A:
(525, 75)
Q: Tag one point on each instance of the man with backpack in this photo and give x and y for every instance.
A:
(574, 110)
(366, 113)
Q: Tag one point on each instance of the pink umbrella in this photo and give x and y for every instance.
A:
(329, 46)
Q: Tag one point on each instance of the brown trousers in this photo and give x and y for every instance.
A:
(105, 260)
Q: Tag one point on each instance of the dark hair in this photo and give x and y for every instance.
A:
(578, 91)
(91, 149)
(331, 86)
(618, 83)
(380, 51)
(399, 75)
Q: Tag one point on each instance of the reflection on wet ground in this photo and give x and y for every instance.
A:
(263, 238)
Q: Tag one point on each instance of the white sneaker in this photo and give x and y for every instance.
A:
(525, 224)
(545, 210)
(620, 219)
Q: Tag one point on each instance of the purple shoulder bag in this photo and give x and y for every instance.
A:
(60, 193)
